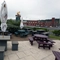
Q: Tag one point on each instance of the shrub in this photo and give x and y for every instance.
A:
(13, 25)
(12, 28)
(56, 32)
(13, 22)
(34, 28)
(45, 29)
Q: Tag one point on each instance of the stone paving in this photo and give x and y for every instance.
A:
(28, 52)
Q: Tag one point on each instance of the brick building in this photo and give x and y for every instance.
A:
(30, 22)
(43, 23)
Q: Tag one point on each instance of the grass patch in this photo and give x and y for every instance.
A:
(54, 37)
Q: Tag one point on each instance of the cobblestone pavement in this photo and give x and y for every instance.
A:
(28, 52)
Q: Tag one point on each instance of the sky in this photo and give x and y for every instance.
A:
(33, 9)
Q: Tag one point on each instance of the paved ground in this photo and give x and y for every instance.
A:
(28, 52)
(18, 38)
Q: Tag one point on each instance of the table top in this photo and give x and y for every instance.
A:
(45, 33)
(4, 37)
(5, 31)
(34, 31)
(21, 30)
(39, 35)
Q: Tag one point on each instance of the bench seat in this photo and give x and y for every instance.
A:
(57, 55)
(51, 41)
(44, 44)
(31, 40)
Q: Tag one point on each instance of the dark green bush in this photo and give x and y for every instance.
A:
(12, 28)
(13, 25)
(56, 32)
(34, 28)
(45, 29)
(13, 22)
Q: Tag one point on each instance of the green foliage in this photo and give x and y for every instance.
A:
(54, 37)
(41, 29)
(34, 28)
(13, 25)
(45, 29)
(12, 28)
(56, 32)
(13, 22)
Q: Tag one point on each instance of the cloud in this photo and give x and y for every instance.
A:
(33, 9)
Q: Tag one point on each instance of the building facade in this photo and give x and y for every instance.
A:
(43, 23)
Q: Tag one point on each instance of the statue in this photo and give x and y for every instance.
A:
(18, 16)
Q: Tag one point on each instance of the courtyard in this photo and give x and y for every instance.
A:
(32, 32)
(28, 52)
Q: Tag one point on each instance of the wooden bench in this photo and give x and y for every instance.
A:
(57, 55)
(14, 45)
(31, 40)
(50, 40)
(44, 44)
(2, 49)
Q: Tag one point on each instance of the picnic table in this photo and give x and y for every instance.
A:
(40, 37)
(22, 33)
(57, 55)
(44, 44)
(41, 40)
(40, 31)
(46, 33)
(33, 32)
(37, 37)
